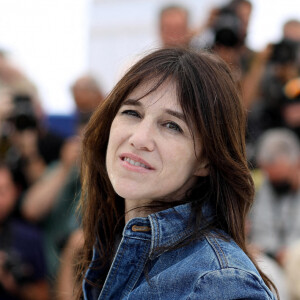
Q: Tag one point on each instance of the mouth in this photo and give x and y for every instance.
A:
(135, 161)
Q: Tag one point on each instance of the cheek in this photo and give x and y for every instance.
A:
(180, 159)
(115, 136)
(112, 141)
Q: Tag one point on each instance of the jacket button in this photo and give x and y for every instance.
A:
(140, 228)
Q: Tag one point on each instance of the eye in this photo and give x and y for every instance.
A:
(130, 112)
(173, 126)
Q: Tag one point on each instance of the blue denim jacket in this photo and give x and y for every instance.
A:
(209, 268)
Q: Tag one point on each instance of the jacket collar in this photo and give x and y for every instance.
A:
(171, 226)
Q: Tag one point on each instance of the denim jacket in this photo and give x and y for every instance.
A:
(208, 268)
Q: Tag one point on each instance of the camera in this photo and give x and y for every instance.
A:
(227, 28)
(23, 115)
(286, 51)
(21, 272)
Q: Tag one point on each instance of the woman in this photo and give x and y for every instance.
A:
(165, 155)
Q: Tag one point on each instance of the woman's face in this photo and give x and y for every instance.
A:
(151, 152)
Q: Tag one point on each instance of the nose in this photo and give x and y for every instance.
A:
(142, 137)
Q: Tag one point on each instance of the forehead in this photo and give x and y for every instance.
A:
(175, 13)
(165, 95)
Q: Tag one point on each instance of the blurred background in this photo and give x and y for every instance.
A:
(54, 41)
(58, 60)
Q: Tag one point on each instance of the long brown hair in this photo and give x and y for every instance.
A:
(211, 101)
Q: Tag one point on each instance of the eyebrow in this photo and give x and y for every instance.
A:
(132, 102)
(171, 112)
(176, 114)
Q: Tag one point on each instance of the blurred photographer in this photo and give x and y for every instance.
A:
(22, 263)
(291, 105)
(268, 105)
(275, 225)
(225, 33)
(31, 146)
(282, 67)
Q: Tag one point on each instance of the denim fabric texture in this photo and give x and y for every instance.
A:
(208, 268)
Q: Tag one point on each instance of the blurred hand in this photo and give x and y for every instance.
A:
(281, 256)
(70, 152)
(7, 280)
(26, 142)
(6, 105)
(264, 55)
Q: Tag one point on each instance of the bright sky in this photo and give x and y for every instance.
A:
(268, 18)
(48, 39)
(52, 41)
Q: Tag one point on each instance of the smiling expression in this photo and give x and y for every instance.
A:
(151, 153)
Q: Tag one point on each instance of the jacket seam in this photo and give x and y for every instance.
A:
(115, 269)
(158, 236)
(253, 276)
(137, 238)
(219, 252)
(223, 254)
(142, 263)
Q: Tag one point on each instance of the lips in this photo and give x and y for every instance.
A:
(135, 160)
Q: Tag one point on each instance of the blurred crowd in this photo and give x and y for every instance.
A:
(40, 232)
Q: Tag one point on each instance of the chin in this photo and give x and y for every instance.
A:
(125, 187)
(131, 193)
(126, 192)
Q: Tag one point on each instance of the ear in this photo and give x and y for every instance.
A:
(203, 169)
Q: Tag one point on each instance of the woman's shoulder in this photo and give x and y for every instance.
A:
(212, 267)
(226, 271)
(227, 254)
(230, 283)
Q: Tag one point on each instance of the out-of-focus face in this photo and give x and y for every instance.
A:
(8, 194)
(86, 96)
(291, 115)
(174, 28)
(291, 31)
(281, 169)
(151, 152)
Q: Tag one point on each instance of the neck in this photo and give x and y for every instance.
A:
(136, 209)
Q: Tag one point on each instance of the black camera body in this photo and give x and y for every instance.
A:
(21, 272)
(227, 29)
(23, 116)
(286, 51)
